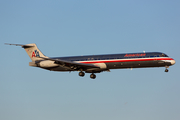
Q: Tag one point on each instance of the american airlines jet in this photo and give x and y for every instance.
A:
(96, 63)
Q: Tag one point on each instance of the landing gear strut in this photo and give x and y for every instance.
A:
(81, 74)
(93, 76)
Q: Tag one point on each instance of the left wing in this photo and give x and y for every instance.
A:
(72, 65)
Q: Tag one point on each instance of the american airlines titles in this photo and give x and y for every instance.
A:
(135, 55)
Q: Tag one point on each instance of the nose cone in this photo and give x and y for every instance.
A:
(173, 62)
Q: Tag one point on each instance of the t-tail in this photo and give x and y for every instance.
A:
(32, 50)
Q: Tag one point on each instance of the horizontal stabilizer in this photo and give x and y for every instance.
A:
(23, 46)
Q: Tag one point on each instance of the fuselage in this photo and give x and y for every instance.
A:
(96, 63)
(119, 61)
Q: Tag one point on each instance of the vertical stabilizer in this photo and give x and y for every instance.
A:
(33, 51)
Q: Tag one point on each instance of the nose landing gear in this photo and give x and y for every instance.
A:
(166, 70)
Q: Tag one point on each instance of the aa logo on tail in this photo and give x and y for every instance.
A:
(35, 54)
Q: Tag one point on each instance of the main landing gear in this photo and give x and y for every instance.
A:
(92, 76)
(81, 74)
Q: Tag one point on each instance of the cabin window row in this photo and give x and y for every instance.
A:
(90, 59)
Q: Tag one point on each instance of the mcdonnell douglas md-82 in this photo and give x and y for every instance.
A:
(96, 63)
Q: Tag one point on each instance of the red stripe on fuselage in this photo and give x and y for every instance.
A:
(127, 60)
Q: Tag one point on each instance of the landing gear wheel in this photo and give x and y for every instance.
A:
(166, 70)
(81, 74)
(93, 76)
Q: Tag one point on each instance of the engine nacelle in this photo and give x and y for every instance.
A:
(47, 63)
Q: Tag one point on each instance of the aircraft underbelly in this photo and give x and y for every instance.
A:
(117, 65)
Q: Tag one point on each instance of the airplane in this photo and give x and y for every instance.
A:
(96, 63)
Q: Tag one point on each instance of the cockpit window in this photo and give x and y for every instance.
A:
(163, 55)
